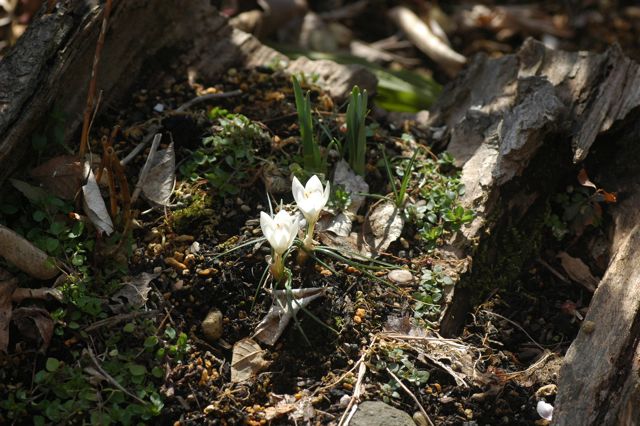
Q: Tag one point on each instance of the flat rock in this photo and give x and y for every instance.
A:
(377, 413)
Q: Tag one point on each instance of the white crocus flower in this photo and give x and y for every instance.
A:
(545, 410)
(310, 199)
(280, 231)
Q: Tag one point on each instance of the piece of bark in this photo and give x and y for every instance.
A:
(600, 378)
(51, 64)
(500, 113)
(517, 125)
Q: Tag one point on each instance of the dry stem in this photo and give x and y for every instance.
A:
(84, 139)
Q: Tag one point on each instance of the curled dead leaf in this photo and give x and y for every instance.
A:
(135, 291)
(578, 271)
(62, 176)
(159, 181)
(273, 324)
(247, 360)
(583, 178)
(35, 324)
(94, 206)
(25, 256)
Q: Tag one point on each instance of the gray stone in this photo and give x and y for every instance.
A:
(377, 413)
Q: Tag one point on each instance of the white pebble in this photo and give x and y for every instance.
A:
(545, 410)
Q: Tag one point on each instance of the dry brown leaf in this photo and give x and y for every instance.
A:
(353, 183)
(33, 193)
(382, 227)
(247, 360)
(35, 324)
(135, 291)
(583, 178)
(578, 271)
(339, 225)
(25, 256)
(273, 324)
(160, 180)
(62, 176)
(296, 407)
(94, 206)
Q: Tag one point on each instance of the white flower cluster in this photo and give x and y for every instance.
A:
(282, 229)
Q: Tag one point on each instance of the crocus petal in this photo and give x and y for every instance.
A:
(327, 192)
(267, 226)
(313, 185)
(311, 198)
(298, 190)
(283, 231)
(545, 410)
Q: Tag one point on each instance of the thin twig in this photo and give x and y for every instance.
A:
(204, 98)
(351, 370)
(84, 139)
(355, 398)
(135, 151)
(112, 321)
(406, 389)
(113, 381)
(517, 325)
(553, 270)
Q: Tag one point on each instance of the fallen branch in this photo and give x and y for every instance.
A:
(208, 97)
(425, 40)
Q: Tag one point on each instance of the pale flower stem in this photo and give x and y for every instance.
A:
(308, 240)
(277, 267)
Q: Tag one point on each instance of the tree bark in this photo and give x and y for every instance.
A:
(519, 126)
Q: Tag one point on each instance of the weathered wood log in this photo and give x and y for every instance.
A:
(518, 126)
(51, 64)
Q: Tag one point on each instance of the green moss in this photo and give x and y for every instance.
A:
(502, 256)
(197, 214)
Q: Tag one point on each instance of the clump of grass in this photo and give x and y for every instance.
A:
(399, 192)
(312, 159)
(356, 143)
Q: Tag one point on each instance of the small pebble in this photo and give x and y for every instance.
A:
(195, 247)
(175, 264)
(177, 285)
(400, 276)
(344, 401)
(158, 108)
(206, 272)
(212, 325)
